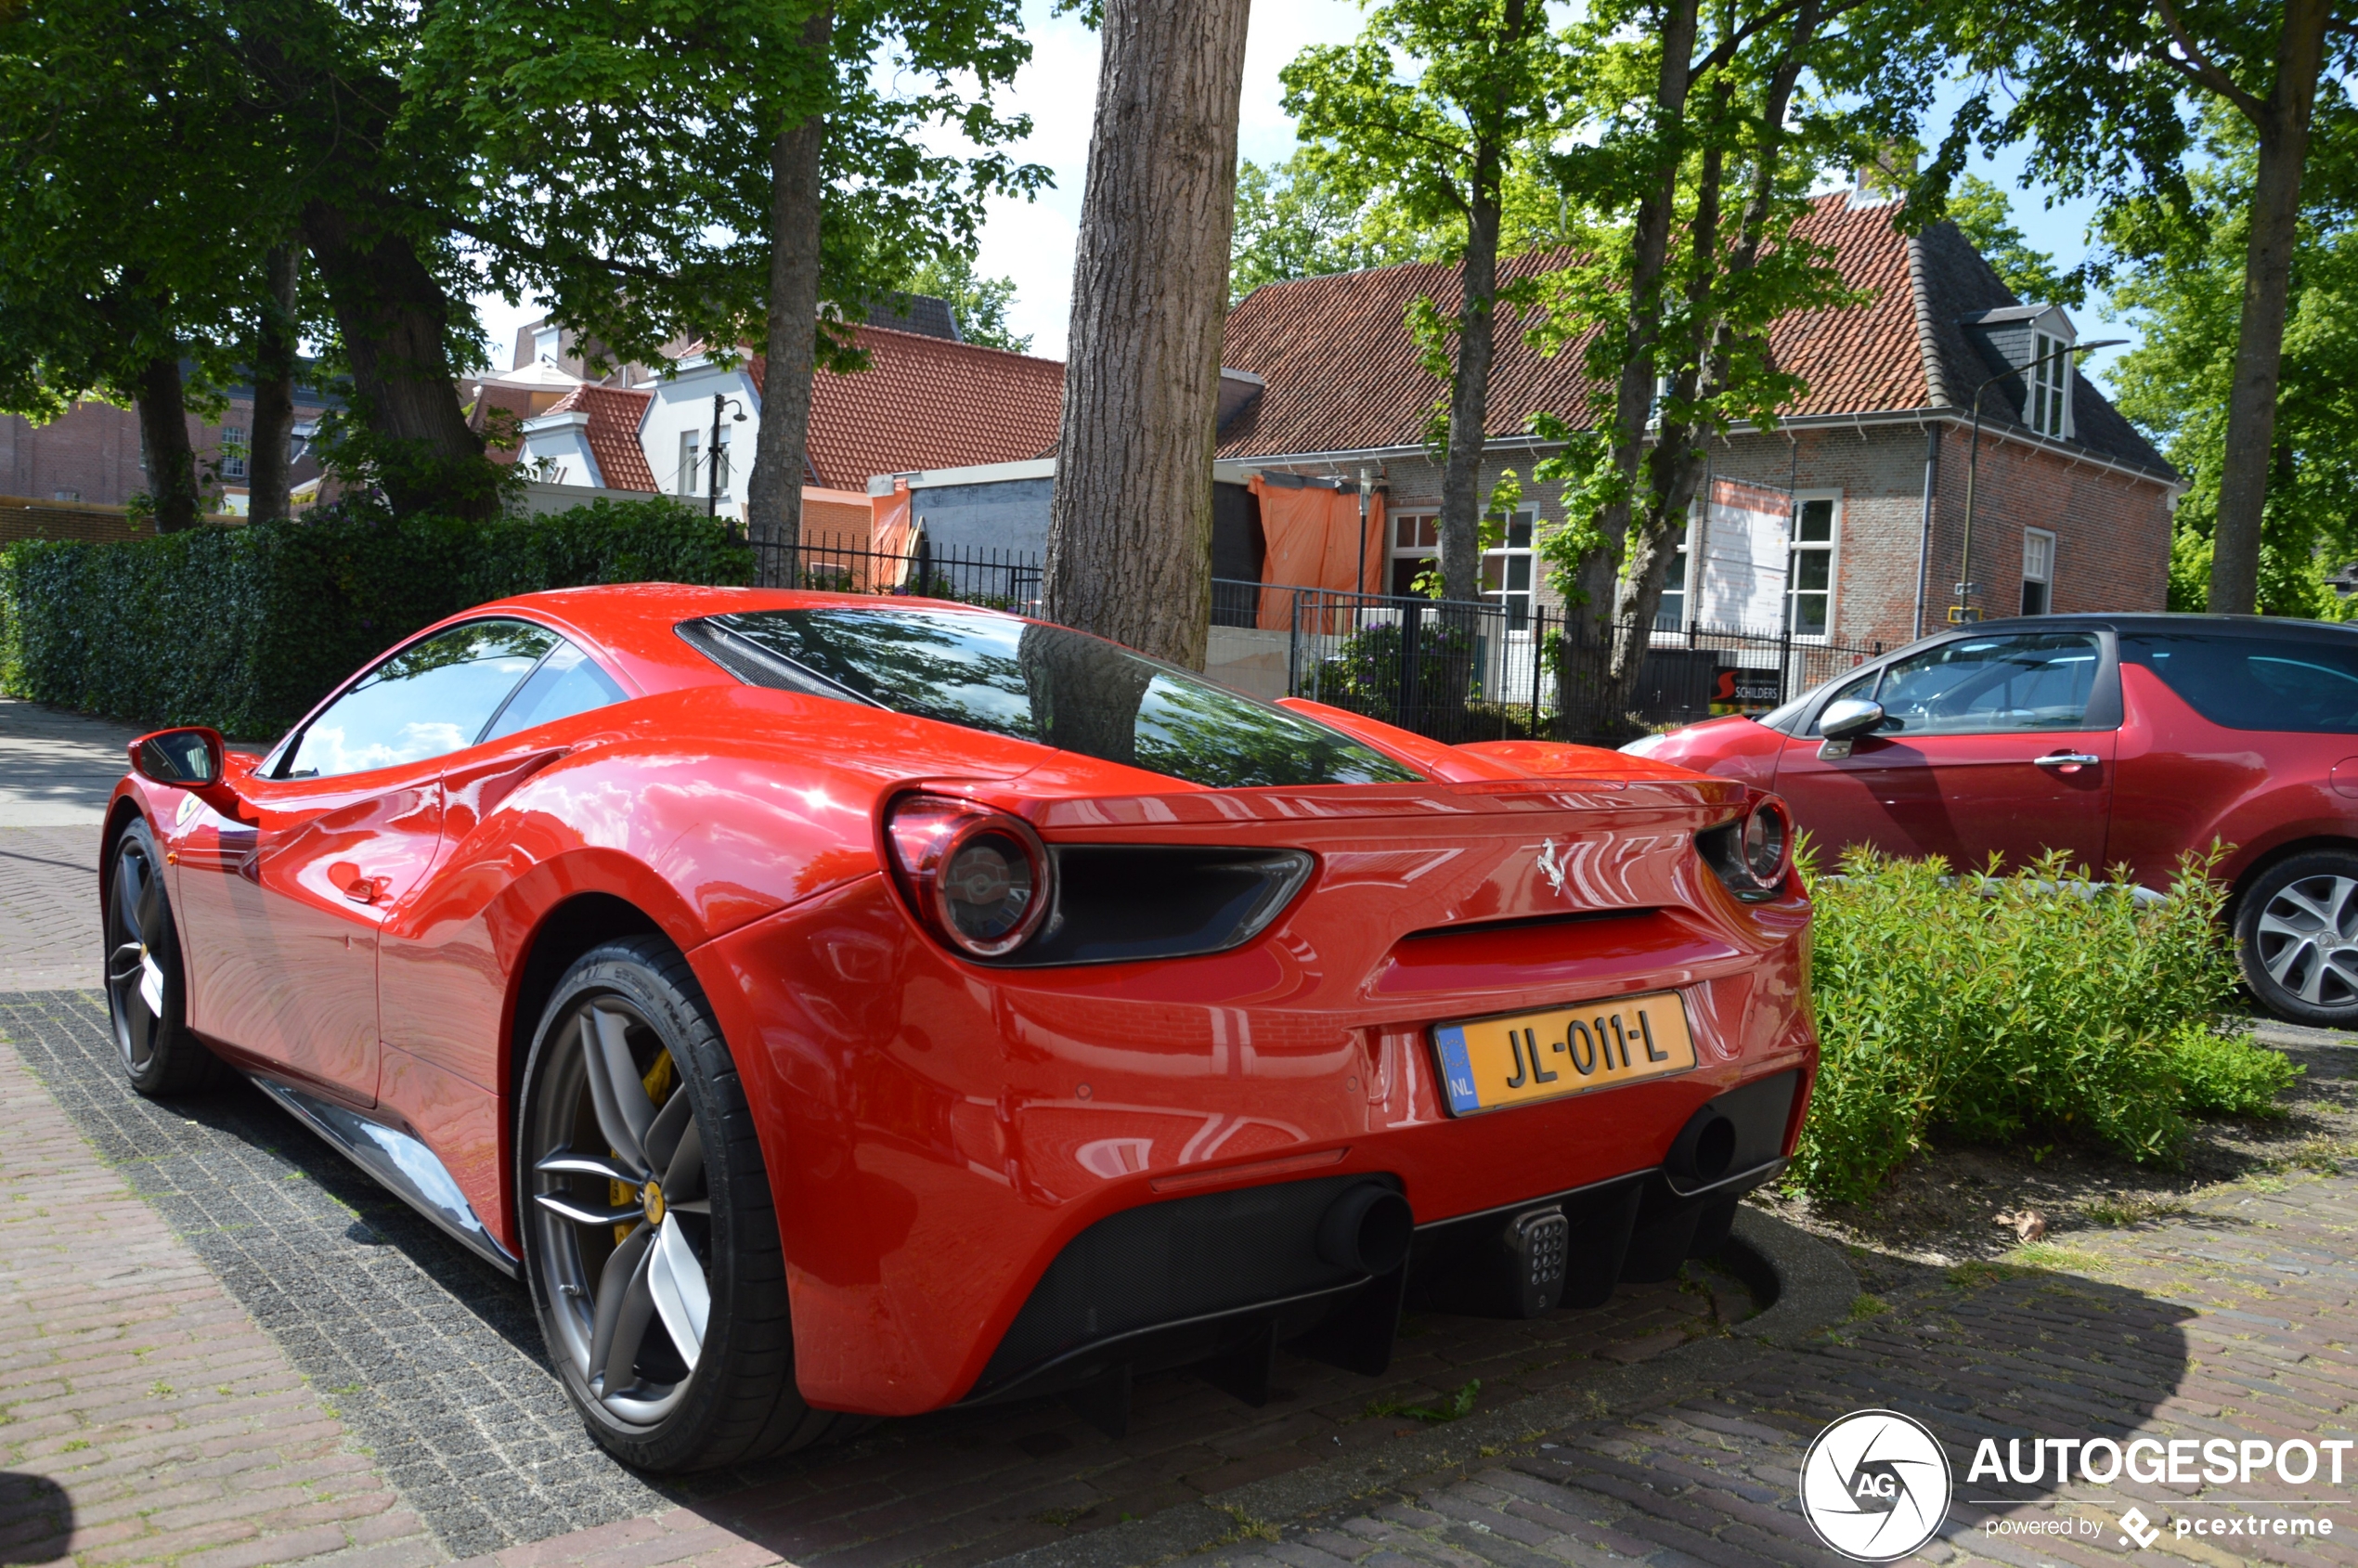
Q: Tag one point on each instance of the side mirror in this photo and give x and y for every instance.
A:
(1844, 722)
(187, 758)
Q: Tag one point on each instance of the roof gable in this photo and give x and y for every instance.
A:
(1343, 374)
(615, 414)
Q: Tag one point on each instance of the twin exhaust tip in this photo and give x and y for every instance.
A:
(1367, 1230)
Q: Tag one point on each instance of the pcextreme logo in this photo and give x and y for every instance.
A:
(1876, 1486)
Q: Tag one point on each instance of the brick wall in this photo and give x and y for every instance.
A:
(92, 452)
(25, 518)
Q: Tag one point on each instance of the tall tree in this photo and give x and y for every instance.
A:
(1130, 519)
(2180, 273)
(277, 329)
(1714, 122)
(1442, 139)
(2108, 93)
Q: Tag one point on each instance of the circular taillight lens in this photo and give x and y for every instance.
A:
(978, 877)
(1767, 842)
(987, 890)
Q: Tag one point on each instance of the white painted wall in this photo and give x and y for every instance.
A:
(559, 445)
(684, 405)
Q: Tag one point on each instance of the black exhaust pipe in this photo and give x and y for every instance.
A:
(1367, 1230)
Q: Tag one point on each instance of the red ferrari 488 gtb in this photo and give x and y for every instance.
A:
(842, 1006)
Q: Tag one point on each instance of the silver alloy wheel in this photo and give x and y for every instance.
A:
(135, 980)
(631, 1314)
(2308, 939)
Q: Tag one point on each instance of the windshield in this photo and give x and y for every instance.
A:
(1045, 684)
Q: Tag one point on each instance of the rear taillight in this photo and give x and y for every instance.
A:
(979, 878)
(1752, 855)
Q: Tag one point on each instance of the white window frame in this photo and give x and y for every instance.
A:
(547, 343)
(2050, 400)
(2039, 542)
(1831, 547)
(690, 465)
(1396, 551)
(1675, 580)
(236, 454)
(1505, 555)
(722, 469)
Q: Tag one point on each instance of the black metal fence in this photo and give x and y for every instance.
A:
(1459, 671)
(1005, 579)
(1450, 670)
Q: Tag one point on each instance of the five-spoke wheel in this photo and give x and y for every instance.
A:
(2297, 935)
(650, 1239)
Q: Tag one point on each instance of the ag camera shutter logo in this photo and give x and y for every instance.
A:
(1876, 1486)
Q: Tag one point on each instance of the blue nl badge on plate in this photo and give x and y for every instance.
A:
(1457, 1070)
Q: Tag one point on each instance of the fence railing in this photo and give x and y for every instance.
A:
(1450, 670)
(1006, 579)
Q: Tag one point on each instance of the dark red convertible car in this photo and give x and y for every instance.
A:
(2123, 740)
(863, 1006)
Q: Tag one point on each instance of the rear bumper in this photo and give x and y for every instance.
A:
(939, 1138)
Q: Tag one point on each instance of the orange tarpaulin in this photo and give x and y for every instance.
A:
(1313, 541)
(890, 527)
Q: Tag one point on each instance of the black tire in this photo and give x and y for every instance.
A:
(2296, 938)
(731, 1398)
(147, 994)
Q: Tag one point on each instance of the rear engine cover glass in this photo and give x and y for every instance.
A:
(1057, 687)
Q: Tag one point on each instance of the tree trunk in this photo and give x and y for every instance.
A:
(163, 431)
(395, 319)
(1461, 521)
(773, 495)
(1589, 698)
(274, 362)
(2275, 221)
(1130, 523)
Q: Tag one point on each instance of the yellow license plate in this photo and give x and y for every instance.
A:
(1493, 1063)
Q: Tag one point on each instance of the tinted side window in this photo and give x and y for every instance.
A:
(2305, 685)
(431, 698)
(568, 683)
(1992, 685)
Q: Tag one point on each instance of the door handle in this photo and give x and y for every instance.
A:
(359, 888)
(2067, 761)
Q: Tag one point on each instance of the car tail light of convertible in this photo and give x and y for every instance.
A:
(997, 1010)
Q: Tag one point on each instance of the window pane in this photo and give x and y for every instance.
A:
(1404, 533)
(1809, 614)
(1518, 573)
(1811, 570)
(1060, 688)
(1519, 532)
(1863, 687)
(568, 683)
(1817, 523)
(431, 698)
(1493, 569)
(1428, 532)
(1987, 685)
(2304, 686)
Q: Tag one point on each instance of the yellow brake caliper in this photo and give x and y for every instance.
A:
(660, 1080)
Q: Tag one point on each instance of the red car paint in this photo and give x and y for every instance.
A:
(935, 1130)
(2165, 780)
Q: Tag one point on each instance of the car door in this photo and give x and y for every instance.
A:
(286, 899)
(2000, 742)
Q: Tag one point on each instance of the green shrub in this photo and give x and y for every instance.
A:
(244, 628)
(2228, 1074)
(2000, 1008)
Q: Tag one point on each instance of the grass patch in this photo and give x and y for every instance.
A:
(1456, 1407)
(1864, 1306)
(2056, 1257)
(2116, 1213)
(2024, 1010)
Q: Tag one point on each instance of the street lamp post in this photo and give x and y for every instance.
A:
(1963, 610)
(1367, 488)
(712, 458)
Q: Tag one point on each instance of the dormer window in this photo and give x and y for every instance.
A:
(2049, 410)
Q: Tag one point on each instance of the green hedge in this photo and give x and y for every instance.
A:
(2030, 1007)
(244, 628)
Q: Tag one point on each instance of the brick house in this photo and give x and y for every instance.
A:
(93, 455)
(1847, 522)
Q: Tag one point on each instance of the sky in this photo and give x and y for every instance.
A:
(1031, 242)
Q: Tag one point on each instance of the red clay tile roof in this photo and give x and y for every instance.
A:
(615, 413)
(1343, 374)
(926, 402)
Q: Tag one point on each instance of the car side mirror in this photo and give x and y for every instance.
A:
(189, 759)
(1844, 722)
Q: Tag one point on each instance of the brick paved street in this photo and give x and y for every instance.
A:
(229, 1348)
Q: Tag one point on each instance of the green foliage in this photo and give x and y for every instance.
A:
(2228, 1074)
(1982, 210)
(978, 304)
(1457, 1407)
(1999, 1008)
(2185, 291)
(244, 628)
